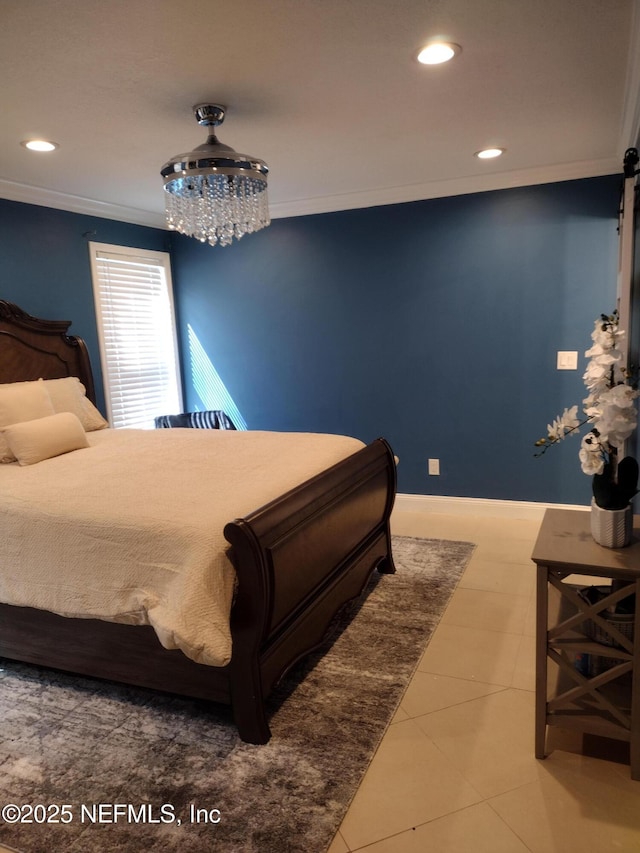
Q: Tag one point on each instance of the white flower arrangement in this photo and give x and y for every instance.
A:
(609, 408)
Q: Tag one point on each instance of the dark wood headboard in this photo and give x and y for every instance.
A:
(33, 349)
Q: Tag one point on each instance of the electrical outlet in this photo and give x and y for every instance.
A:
(434, 466)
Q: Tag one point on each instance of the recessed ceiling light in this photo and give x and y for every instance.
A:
(39, 145)
(489, 153)
(438, 52)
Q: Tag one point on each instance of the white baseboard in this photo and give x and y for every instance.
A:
(527, 510)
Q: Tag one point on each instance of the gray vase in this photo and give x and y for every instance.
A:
(611, 528)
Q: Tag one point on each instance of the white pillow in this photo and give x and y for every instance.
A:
(21, 401)
(42, 438)
(69, 395)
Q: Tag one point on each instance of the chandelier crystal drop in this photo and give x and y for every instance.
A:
(213, 193)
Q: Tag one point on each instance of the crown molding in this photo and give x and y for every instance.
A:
(14, 191)
(451, 187)
(328, 204)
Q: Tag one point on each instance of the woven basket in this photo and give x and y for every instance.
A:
(624, 622)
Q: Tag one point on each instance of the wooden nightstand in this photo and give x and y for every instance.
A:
(572, 633)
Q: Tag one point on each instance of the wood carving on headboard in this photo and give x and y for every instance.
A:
(41, 349)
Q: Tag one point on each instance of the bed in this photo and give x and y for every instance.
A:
(296, 560)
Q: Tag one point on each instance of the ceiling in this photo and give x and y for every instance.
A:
(328, 92)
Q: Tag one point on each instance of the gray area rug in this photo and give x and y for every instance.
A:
(172, 775)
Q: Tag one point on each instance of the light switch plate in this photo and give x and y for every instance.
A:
(567, 360)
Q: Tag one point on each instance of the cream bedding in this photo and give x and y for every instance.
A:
(130, 528)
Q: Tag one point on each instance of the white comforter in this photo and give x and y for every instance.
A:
(130, 528)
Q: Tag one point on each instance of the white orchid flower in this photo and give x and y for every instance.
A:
(591, 455)
(609, 407)
(563, 425)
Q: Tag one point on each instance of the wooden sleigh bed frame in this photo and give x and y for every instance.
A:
(298, 560)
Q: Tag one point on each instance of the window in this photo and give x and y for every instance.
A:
(138, 345)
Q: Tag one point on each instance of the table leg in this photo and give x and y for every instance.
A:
(542, 609)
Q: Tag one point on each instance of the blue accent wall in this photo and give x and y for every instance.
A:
(45, 266)
(435, 324)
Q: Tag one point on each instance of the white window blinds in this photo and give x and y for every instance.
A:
(138, 347)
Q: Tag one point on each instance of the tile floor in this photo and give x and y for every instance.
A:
(456, 773)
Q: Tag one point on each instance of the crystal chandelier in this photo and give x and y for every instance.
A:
(213, 193)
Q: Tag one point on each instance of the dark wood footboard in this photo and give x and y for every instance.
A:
(298, 560)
